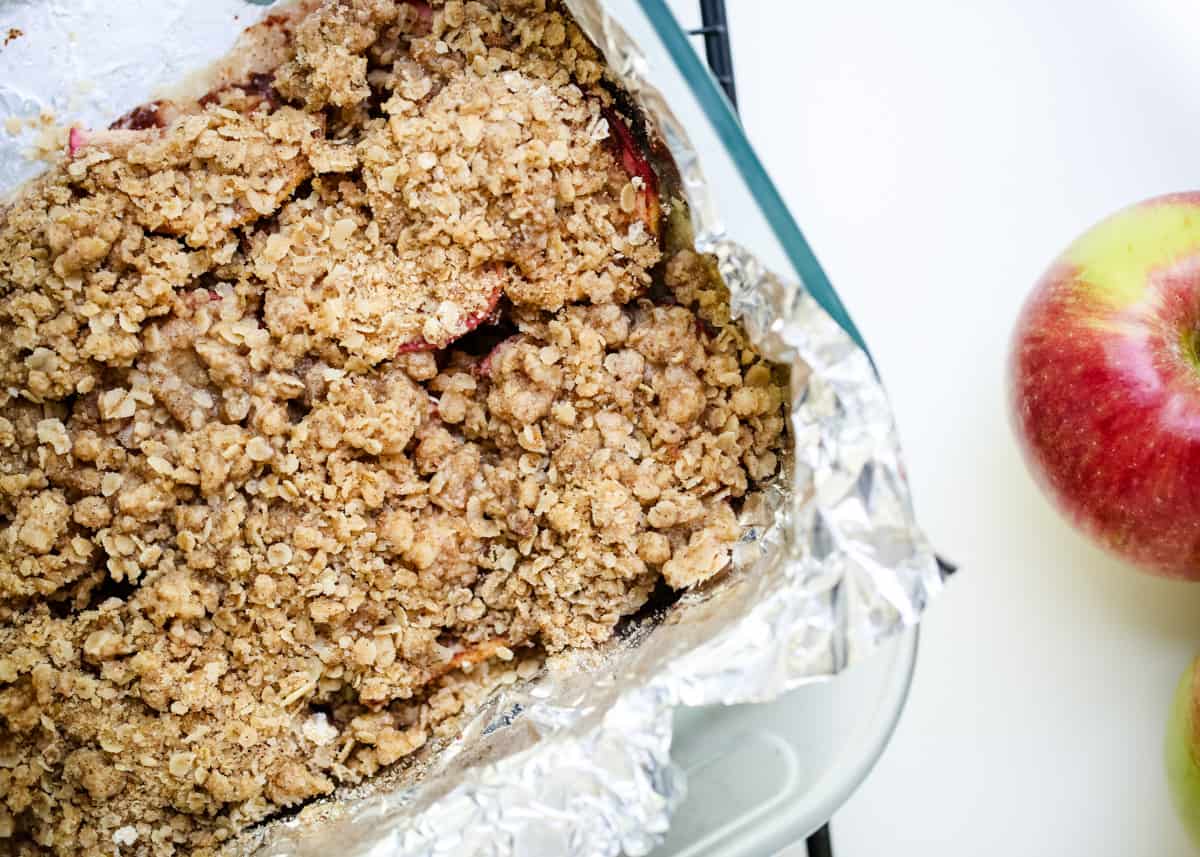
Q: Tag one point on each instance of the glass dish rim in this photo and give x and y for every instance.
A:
(729, 129)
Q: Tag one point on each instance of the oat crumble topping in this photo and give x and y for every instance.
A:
(328, 401)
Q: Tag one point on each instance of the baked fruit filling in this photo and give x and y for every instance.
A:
(333, 399)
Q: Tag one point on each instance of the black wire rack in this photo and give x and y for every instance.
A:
(719, 52)
(717, 48)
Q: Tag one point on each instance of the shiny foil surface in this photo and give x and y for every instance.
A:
(577, 760)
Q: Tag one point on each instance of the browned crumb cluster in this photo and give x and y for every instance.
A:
(268, 507)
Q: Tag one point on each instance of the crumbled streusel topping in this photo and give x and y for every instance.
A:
(328, 404)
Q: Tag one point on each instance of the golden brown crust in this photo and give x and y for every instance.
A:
(257, 540)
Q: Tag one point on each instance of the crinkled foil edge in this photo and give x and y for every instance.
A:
(831, 565)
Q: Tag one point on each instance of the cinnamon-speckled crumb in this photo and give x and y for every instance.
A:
(271, 518)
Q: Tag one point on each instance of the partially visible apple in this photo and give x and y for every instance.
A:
(1183, 750)
(1105, 383)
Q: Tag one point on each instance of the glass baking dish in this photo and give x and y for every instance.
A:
(761, 777)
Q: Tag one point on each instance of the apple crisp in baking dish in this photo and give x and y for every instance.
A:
(331, 398)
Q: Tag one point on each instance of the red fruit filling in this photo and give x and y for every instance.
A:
(635, 163)
(424, 11)
(484, 367)
(142, 117)
(76, 140)
(488, 314)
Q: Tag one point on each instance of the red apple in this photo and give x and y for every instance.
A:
(1105, 383)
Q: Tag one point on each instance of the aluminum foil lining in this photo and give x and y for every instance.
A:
(576, 761)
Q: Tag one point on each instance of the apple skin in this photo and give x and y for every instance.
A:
(1181, 746)
(1104, 383)
(637, 166)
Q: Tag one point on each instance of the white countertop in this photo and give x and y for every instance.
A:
(938, 154)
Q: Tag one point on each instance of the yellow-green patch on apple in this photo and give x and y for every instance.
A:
(1116, 256)
(1182, 746)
